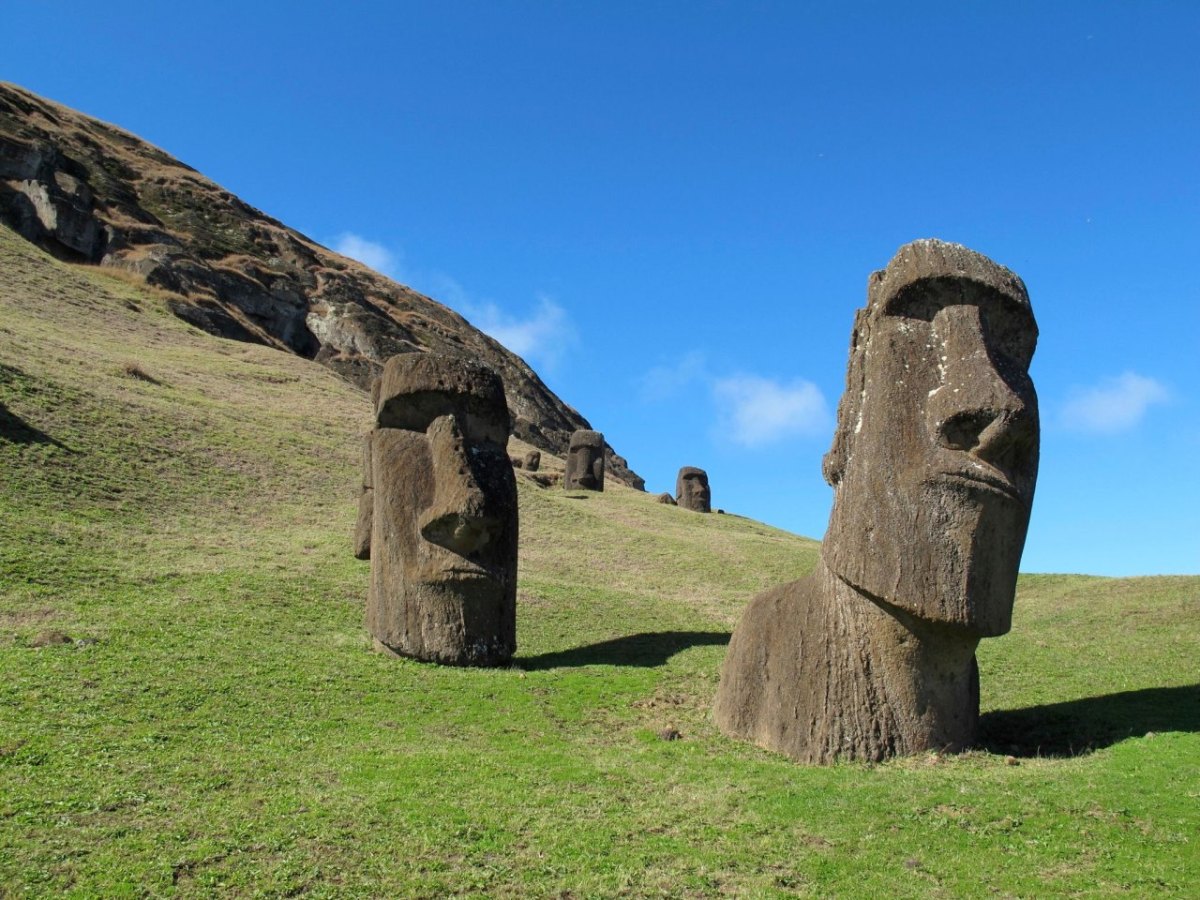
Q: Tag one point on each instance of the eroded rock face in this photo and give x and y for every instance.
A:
(443, 544)
(585, 462)
(691, 490)
(933, 467)
(89, 192)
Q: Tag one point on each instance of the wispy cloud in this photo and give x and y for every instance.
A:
(544, 336)
(1116, 404)
(753, 411)
(369, 253)
(668, 381)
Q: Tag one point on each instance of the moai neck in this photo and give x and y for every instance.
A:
(898, 685)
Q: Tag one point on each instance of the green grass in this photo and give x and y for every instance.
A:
(218, 725)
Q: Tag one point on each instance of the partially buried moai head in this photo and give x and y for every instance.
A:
(444, 535)
(585, 462)
(936, 450)
(691, 489)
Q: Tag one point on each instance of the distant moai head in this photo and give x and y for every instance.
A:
(585, 462)
(532, 460)
(691, 489)
(444, 534)
(935, 455)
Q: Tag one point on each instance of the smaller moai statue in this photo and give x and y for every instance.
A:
(532, 460)
(442, 513)
(691, 490)
(585, 462)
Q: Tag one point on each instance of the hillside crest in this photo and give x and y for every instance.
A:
(89, 192)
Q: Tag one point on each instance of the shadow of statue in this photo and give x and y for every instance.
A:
(16, 430)
(647, 649)
(1079, 727)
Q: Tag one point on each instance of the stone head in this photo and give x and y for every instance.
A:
(935, 455)
(444, 540)
(585, 462)
(691, 489)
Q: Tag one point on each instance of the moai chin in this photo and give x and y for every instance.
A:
(691, 490)
(443, 530)
(585, 462)
(933, 467)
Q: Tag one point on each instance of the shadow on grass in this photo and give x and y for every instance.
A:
(1079, 727)
(647, 649)
(17, 431)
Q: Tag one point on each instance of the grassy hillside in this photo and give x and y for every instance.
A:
(189, 705)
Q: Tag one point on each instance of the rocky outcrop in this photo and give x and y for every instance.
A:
(88, 192)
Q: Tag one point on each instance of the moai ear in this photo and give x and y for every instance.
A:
(834, 463)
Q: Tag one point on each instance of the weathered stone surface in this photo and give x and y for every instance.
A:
(933, 466)
(86, 191)
(691, 490)
(665, 497)
(585, 462)
(366, 506)
(532, 461)
(444, 532)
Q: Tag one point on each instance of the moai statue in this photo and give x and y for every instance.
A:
(691, 490)
(362, 528)
(585, 462)
(933, 468)
(443, 544)
(532, 460)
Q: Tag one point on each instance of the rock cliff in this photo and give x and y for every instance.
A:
(88, 192)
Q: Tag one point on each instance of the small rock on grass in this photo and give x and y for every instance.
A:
(49, 638)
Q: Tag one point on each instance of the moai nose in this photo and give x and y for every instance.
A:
(975, 409)
(457, 518)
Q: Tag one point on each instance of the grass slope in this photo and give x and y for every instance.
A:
(179, 508)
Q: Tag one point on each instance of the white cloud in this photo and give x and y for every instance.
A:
(369, 253)
(664, 382)
(1116, 404)
(753, 411)
(545, 335)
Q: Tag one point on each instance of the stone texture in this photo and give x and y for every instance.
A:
(366, 506)
(665, 497)
(691, 490)
(532, 461)
(933, 466)
(444, 524)
(585, 462)
(89, 192)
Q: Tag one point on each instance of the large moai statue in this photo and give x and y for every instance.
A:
(691, 490)
(443, 543)
(585, 462)
(933, 468)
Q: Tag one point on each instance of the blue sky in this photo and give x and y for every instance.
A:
(671, 209)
